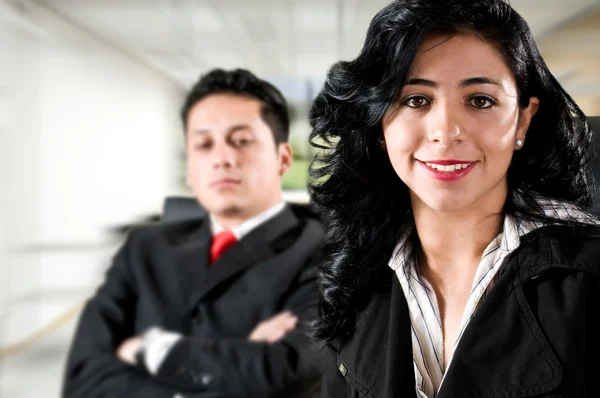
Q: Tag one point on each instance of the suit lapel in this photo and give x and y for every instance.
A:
(191, 255)
(252, 249)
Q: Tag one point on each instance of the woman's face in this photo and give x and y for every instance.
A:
(452, 136)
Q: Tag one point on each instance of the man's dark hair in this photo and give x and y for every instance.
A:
(274, 111)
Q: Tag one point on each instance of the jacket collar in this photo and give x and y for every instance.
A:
(556, 246)
(193, 244)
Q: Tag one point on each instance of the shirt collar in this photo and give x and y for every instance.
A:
(509, 237)
(247, 226)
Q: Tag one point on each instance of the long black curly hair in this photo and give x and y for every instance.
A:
(364, 204)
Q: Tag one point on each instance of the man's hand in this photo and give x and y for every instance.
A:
(128, 350)
(274, 329)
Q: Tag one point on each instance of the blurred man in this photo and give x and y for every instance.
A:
(216, 307)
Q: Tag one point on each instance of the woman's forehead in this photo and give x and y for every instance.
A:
(458, 57)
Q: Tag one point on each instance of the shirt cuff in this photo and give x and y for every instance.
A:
(156, 344)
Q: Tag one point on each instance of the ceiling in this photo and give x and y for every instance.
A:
(288, 41)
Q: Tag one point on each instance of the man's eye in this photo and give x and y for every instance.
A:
(482, 102)
(416, 102)
(241, 142)
(202, 146)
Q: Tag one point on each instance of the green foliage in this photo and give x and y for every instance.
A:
(297, 176)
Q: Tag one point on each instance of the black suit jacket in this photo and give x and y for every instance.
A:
(161, 277)
(534, 335)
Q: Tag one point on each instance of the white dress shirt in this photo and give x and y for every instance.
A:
(249, 225)
(426, 325)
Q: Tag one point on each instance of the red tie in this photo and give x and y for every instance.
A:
(220, 243)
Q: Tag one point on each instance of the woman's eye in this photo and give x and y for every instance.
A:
(416, 102)
(481, 102)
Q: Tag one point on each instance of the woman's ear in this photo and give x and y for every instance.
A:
(525, 117)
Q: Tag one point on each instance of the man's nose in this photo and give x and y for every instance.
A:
(223, 156)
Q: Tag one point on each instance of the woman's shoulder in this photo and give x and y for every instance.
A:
(565, 246)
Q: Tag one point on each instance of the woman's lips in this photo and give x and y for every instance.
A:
(448, 170)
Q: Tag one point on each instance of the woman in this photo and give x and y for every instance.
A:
(461, 259)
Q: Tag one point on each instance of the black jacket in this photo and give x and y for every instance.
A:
(161, 277)
(534, 334)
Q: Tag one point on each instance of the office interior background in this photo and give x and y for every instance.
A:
(91, 141)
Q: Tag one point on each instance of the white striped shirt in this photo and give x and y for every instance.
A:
(426, 325)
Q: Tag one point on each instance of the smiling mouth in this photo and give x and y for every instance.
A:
(448, 168)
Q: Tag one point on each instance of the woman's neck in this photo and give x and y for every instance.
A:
(452, 243)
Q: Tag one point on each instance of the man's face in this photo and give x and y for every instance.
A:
(234, 166)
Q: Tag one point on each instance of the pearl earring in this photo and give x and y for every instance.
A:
(519, 143)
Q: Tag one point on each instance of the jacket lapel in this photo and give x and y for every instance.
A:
(378, 359)
(251, 249)
(503, 351)
(191, 256)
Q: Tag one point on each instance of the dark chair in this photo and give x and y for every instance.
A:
(181, 208)
(594, 123)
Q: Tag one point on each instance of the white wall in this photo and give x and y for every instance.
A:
(19, 169)
(91, 142)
